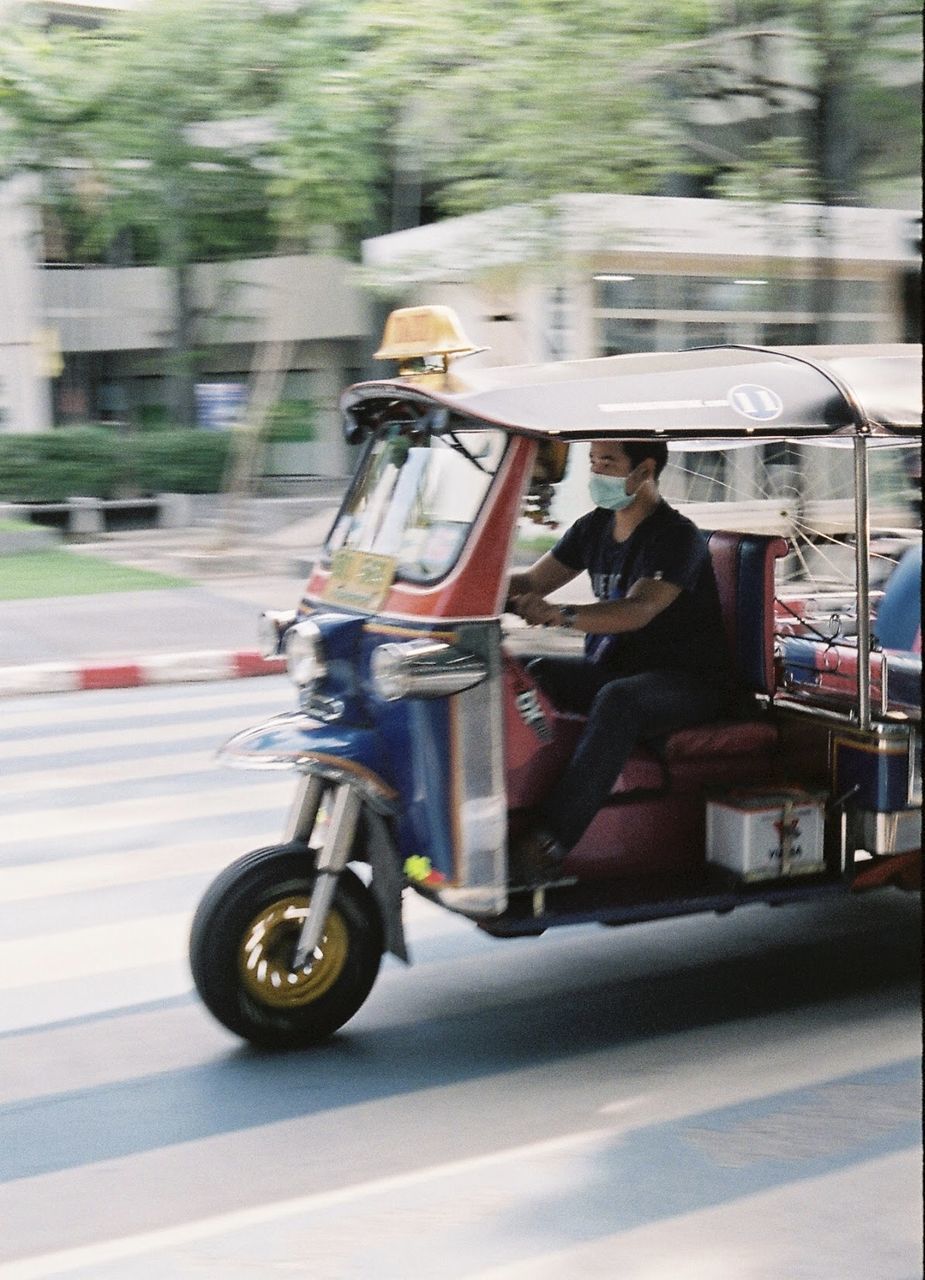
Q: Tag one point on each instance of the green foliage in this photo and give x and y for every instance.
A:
(154, 417)
(328, 127)
(52, 466)
(168, 144)
(853, 71)
(179, 461)
(522, 102)
(181, 132)
(201, 129)
(290, 422)
(101, 463)
(772, 172)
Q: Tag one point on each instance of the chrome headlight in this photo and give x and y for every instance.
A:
(305, 654)
(271, 626)
(423, 669)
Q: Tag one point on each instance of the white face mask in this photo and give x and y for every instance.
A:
(609, 492)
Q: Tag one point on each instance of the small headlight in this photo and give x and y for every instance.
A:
(271, 627)
(305, 654)
(423, 669)
(388, 669)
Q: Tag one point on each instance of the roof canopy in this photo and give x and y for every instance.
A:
(733, 392)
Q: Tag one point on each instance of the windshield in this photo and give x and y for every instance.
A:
(416, 497)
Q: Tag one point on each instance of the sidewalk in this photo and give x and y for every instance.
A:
(206, 631)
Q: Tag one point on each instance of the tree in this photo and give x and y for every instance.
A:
(525, 101)
(834, 89)
(842, 75)
(195, 130)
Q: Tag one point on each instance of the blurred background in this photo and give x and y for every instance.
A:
(208, 206)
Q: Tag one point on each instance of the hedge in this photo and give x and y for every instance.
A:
(98, 462)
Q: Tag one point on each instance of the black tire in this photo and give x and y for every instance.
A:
(242, 938)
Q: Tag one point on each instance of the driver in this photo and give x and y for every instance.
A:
(656, 657)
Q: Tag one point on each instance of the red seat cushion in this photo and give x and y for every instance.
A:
(721, 738)
(703, 745)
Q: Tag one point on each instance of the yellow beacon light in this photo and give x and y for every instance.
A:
(422, 334)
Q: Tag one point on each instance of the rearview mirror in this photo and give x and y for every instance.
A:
(549, 467)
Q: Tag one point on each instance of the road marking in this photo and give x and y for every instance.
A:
(167, 1237)
(131, 736)
(116, 771)
(110, 870)
(790, 1230)
(58, 711)
(107, 948)
(93, 819)
(138, 866)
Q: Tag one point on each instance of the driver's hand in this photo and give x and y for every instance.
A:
(535, 610)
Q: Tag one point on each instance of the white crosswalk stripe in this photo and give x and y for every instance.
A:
(99, 871)
(185, 763)
(117, 814)
(449, 1133)
(82, 739)
(173, 797)
(151, 703)
(100, 918)
(82, 953)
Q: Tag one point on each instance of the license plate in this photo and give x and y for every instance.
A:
(359, 579)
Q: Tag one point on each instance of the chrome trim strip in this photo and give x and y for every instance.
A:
(478, 785)
(862, 571)
(304, 811)
(914, 793)
(888, 833)
(332, 859)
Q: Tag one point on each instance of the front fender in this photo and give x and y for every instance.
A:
(297, 742)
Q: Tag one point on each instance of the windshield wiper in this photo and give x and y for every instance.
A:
(458, 445)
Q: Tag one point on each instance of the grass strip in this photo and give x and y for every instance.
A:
(35, 575)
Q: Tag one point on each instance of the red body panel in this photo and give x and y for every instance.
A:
(474, 587)
(650, 834)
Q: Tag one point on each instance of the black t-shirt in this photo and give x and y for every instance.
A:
(688, 635)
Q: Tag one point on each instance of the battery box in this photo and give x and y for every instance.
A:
(767, 835)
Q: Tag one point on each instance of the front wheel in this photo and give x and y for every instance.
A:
(243, 938)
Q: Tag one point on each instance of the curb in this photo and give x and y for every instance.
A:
(167, 668)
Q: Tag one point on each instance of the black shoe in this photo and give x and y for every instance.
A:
(534, 858)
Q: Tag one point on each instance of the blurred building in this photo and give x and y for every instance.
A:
(606, 275)
(599, 275)
(113, 323)
(26, 371)
(592, 275)
(609, 274)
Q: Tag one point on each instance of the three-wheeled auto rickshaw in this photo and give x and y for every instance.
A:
(419, 728)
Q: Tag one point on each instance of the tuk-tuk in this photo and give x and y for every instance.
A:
(419, 728)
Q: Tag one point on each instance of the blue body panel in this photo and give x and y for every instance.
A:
(899, 618)
(295, 737)
(404, 743)
(879, 771)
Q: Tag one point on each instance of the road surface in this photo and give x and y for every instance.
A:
(731, 1098)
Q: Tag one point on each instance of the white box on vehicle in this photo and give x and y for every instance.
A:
(766, 835)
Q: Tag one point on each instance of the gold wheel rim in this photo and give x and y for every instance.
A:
(266, 949)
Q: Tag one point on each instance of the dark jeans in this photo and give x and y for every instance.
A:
(622, 711)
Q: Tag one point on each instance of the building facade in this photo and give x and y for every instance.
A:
(591, 275)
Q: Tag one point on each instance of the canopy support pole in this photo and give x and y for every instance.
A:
(862, 576)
